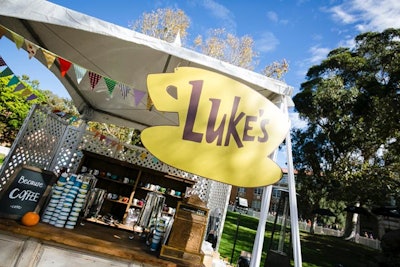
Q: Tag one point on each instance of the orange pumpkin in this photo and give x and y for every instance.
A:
(30, 218)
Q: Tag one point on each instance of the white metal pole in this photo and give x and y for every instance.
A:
(265, 202)
(294, 219)
(259, 239)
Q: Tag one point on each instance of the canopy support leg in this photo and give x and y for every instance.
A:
(265, 203)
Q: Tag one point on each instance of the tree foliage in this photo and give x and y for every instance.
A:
(228, 47)
(14, 107)
(276, 69)
(164, 24)
(349, 150)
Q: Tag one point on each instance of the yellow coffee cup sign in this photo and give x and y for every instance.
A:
(226, 130)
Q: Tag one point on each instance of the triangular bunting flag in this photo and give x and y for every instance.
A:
(31, 48)
(138, 95)
(6, 72)
(31, 97)
(3, 31)
(26, 92)
(19, 87)
(108, 141)
(124, 90)
(2, 62)
(79, 73)
(94, 79)
(18, 39)
(64, 66)
(14, 80)
(72, 119)
(110, 84)
(50, 57)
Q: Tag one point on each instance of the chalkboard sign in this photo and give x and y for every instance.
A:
(26, 190)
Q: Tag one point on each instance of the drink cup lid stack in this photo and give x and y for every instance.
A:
(81, 185)
(55, 198)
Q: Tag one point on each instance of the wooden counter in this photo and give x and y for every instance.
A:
(101, 240)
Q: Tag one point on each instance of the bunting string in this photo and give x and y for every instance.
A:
(80, 72)
(7, 72)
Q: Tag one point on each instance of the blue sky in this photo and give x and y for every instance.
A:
(300, 31)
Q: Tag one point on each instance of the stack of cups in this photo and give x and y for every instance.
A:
(69, 202)
(158, 234)
(55, 198)
(64, 206)
(80, 190)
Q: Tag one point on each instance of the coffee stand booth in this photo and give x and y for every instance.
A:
(102, 201)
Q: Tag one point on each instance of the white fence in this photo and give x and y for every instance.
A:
(369, 242)
(303, 226)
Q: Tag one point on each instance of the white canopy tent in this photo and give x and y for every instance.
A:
(126, 57)
(117, 53)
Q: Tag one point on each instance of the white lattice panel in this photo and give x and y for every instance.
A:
(217, 194)
(129, 154)
(177, 172)
(98, 145)
(201, 188)
(67, 156)
(218, 199)
(146, 159)
(36, 143)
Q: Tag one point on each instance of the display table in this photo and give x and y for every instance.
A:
(106, 242)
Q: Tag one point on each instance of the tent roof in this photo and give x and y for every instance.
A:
(118, 53)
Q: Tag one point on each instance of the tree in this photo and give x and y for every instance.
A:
(227, 47)
(351, 103)
(164, 24)
(14, 107)
(276, 69)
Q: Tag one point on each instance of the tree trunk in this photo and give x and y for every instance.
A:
(313, 224)
(351, 230)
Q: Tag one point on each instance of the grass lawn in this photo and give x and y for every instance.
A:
(316, 250)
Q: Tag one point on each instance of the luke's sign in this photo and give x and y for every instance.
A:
(226, 130)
